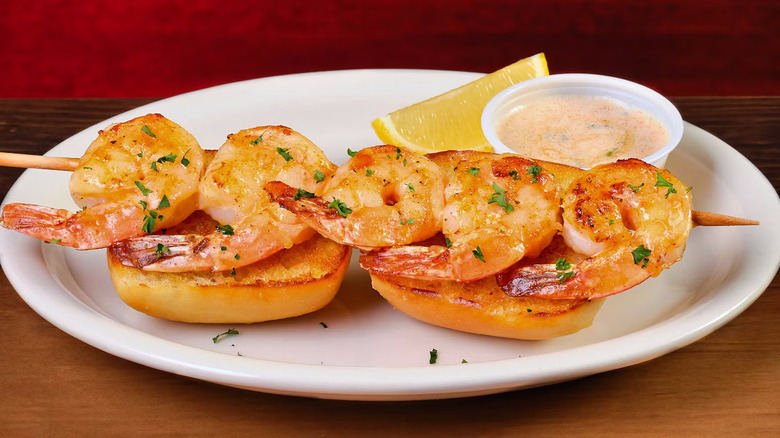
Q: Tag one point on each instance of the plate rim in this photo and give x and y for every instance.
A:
(360, 382)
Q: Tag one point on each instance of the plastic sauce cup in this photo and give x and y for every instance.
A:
(621, 90)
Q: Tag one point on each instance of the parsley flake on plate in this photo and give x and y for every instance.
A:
(223, 334)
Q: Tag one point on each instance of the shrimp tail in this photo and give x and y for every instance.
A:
(22, 216)
(43, 223)
(143, 251)
(314, 211)
(541, 281)
(422, 262)
(580, 282)
(305, 207)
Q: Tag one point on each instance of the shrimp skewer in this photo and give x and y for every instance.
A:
(629, 217)
(383, 196)
(232, 192)
(135, 178)
(500, 208)
(9, 159)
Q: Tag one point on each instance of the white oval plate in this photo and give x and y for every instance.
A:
(368, 350)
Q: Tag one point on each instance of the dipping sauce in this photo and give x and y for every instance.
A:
(581, 131)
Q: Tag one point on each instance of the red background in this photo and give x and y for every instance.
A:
(152, 48)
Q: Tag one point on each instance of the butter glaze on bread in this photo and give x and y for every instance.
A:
(293, 282)
(482, 307)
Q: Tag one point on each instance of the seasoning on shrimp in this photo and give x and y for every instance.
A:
(113, 177)
(629, 232)
(492, 219)
(399, 204)
(232, 192)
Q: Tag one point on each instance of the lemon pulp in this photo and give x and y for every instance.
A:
(452, 120)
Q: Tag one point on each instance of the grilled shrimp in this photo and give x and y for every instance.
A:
(383, 196)
(136, 177)
(232, 192)
(631, 220)
(499, 209)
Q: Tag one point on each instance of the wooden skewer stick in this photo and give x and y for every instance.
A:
(700, 218)
(38, 161)
(706, 219)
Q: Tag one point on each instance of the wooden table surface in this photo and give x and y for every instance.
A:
(726, 384)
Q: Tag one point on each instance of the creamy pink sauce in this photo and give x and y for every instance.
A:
(581, 131)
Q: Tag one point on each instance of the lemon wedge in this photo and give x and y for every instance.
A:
(452, 120)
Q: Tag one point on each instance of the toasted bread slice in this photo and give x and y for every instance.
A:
(482, 307)
(293, 282)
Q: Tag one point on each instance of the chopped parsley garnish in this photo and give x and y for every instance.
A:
(170, 158)
(319, 176)
(340, 207)
(411, 187)
(300, 193)
(408, 222)
(635, 189)
(164, 202)
(148, 131)
(144, 190)
(478, 254)
(233, 271)
(184, 161)
(433, 357)
(404, 162)
(369, 172)
(448, 242)
(87, 168)
(237, 257)
(284, 153)
(534, 171)
(55, 241)
(351, 153)
(323, 324)
(149, 222)
(662, 182)
(221, 335)
(140, 155)
(562, 265)
(474, 171)
(499, 197)
(257, 140)
(515, 176)
(223, 248)
(463, 361)
(641, 254)
(397, 153)
(161, 249)
(611, 221)
(144, 204)
(225, 229)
